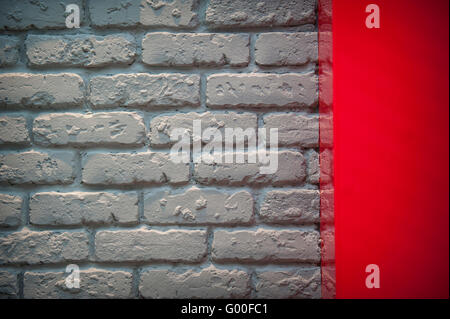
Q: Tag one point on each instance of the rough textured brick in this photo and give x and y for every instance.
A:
(10, 210)
(145, 90)
(13, 130)
(150, 245)
(207, 283)
(162, 126)
(260, 13)
(81, 208)
(291, 170)
(262, 90)
(9, 50)
(313, 168)
(199, 206)
(278, 48)
(94, 283)
(127, 168)
(32, 14)
(41, 90)
(150, 13)
(265, 245)
(9, 289)
(291, 207)
(37, 168)
(80, 50)
(294, 129)
(43, 247)
(84, 130)
(288, 283)
(199, 49)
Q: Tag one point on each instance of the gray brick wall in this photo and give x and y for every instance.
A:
(85, 172)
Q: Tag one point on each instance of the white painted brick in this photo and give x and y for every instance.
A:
(313, 168)
(294, 129)
(150, 245)
(81, 208)
(37, 168)
(265, 245)
(10, 210)
(128, 169)
(9, 50)
(25, 90)
(199, 206)
(210, 282)
(84, 130)
(9, 289)
(144, 90)
(195, 49)
(43, 247)
(13, 130)
(262, 90)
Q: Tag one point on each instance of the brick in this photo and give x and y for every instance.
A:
(162, 126)
(80, 50)
(10, 210)
(31, 14)
(265, 245)
(9, 289)
(9, 50)
(25, 90)
(128, 169)
(94, 283)
(93, 129)
(278, 48)
(294, 129)
(13, 130)
(195, 49)
(79, 208)
(150, 245)
(262, 90)
(210, 282)
(43, 247)
(260, 13)
(199, 206)
(145, 90)
(147, 13)
(313, 168)
(37, 168)
(291, 170)
(289, 283)
(295, 206)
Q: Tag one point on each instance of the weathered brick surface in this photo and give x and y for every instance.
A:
(31, 14)
(258, 13)
(25, 90)
(37, 168)
(290, 283)
(313, 168)
(294, 129)
(13, 130)
(265, 245)
(94, 283)
(80, 208)
(10, 210)
(294, 206)
(262, 90)
(9, 50)
(128, 168)
(162, 126)
(207, 283)
(278, 48)
(84, 130)
(117, 13)
(199, 206)
(202, 49)
(80, 50)
(290, 171)
(9, 288)
(144, 90)
(43, 247)
(150, 245)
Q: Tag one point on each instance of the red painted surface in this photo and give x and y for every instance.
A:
(391, 139)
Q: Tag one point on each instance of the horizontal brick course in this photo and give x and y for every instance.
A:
(294, 129)
(13, 130)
